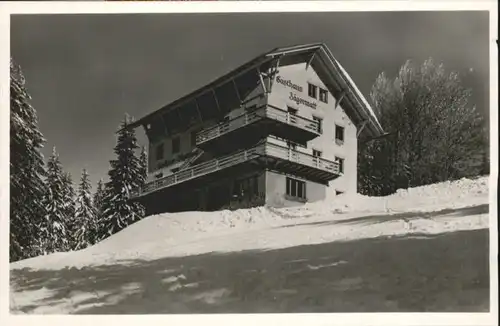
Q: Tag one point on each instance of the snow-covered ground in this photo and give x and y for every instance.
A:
(191, 233)
(433, 209)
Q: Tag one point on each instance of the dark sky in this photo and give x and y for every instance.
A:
(84, 72)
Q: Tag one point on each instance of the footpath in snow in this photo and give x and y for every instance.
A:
(437, 208)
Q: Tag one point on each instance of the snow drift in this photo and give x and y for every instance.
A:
(338, 218)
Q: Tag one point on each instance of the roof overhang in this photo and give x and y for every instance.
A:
(207, 88)
(338, 76)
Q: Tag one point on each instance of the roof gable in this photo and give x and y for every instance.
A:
(335, 77)
(324, 63)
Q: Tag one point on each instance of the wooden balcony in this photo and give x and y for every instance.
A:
(263, 155)
(251, 126)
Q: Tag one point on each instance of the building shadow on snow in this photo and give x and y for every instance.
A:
(382, 218)
(442, 273)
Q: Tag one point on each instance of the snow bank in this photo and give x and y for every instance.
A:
(454, 194)
(191, 233)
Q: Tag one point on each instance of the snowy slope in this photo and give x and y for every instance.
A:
(430, 209)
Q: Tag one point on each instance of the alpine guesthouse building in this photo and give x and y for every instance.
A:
(276, 131)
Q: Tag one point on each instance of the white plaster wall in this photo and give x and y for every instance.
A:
(276, 190)
(331, 115)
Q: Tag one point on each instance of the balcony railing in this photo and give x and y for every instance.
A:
(267, 111)
(288, 154)
(263, 149)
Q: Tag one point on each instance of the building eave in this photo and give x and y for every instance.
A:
(335, 69)
(200, 91)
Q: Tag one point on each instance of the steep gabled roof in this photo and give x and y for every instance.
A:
(336, 69)
(338, 76)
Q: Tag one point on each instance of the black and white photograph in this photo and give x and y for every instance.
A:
(250, 162)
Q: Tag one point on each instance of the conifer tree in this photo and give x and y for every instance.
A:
(69, 208)
(85, 215)
(98, 201)
(69, 196)
(27, 170)
(124, 175)
(143, 163)
(54, 230)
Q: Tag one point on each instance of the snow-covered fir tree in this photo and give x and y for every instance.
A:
(69, 195)
(54, 230)
(124, 175)
(27, 170)
(143, 164)
(98, 201)
(70, 205)
(85, 216)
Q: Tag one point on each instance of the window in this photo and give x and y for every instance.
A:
(316, 155)
(340, 162)
(193, 138)
(291, 145)
(320, 124)
(339, 134)
(159, 152)
(295, 188)
(176, 145)
(292, 114)
(313, 91)
(323, 95)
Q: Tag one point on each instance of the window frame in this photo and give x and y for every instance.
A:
(292, 186)
(341, 161)
(320, 123)
(292, 110)
(339, 141)
(174, 140)
(315, 151)
(310, 87)
(162, 155)
(325, 93)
